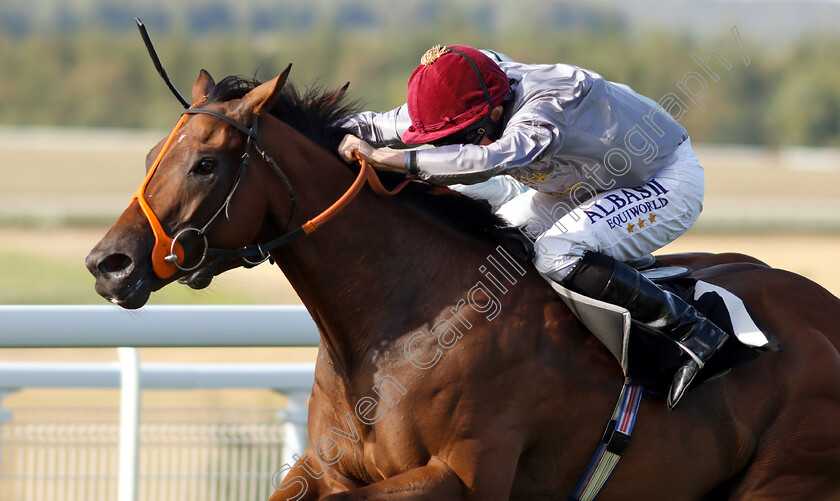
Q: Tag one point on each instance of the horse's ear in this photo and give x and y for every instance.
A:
(337, 95)
(330, 98)
(203, 86)
(265, 95)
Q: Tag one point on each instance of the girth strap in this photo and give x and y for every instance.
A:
(614, 442)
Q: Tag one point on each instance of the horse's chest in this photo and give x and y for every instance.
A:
(352, 448)
(352, 451)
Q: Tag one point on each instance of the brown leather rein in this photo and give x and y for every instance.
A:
(168, 255)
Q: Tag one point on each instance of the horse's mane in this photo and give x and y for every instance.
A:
(317, 114)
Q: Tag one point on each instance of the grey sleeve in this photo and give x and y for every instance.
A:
(383, 129)
(497, 190)
(533, 133)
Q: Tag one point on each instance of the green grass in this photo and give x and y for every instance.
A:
(27, 279)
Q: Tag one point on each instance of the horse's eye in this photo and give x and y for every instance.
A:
(205, 166)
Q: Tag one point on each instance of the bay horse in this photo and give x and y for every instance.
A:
(448, 369)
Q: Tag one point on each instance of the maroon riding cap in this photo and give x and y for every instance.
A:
(445, 93)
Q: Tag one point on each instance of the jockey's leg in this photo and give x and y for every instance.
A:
(622, 224)
(602, 277)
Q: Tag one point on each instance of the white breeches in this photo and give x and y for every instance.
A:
(624, 223)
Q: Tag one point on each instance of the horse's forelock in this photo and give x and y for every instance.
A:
(231, 88)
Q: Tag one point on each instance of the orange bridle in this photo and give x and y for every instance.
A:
(164, 244)
(168, 254)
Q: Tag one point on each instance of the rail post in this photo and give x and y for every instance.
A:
(294, 430)
(5, 416)
(129, 424)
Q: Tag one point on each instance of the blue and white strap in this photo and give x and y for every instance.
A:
(613, 443)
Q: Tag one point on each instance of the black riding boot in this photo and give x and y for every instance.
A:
(603, 278)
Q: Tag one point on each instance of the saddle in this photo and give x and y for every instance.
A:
(647, 356)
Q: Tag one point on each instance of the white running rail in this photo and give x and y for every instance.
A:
(160, 326)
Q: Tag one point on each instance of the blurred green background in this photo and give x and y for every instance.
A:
(80, 105)
(80, 62)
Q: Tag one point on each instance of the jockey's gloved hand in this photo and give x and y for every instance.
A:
(350, 144)
(380, 159)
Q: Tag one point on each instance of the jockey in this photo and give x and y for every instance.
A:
(614, 176)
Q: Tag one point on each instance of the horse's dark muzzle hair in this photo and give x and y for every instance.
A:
(120, 263)
(116, 276)
(105, 265)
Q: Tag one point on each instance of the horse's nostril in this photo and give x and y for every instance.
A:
(115, 263)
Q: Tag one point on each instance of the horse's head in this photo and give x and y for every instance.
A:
(196, 179)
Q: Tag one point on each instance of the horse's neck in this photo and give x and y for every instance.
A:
(368, 273)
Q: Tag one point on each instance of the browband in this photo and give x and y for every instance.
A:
(222, 116)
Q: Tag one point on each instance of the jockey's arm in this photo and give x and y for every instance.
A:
(534, 132)
(384, 129)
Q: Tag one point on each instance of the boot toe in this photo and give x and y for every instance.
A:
(682, 380)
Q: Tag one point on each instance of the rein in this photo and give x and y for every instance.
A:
(168, 254)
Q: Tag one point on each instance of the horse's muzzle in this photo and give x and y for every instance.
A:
(118, 278)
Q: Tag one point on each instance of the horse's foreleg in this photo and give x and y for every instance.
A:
(434, 481)
(308, 480)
